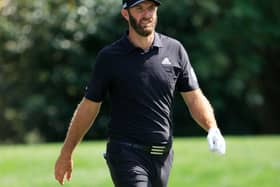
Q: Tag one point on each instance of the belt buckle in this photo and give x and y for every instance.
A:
(157, 150)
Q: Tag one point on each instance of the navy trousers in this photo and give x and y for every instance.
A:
(132, 167)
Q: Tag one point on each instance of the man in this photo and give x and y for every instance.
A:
(141, 72)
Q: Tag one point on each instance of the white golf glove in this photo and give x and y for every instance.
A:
(216, 141)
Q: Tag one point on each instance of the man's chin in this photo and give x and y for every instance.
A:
(144, 31)
(147, 32)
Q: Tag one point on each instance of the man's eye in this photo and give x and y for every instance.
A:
(152, 8)
(139, 9)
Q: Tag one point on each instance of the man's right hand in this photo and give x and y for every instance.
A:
(63, 169)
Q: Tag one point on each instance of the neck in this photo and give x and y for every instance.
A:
(143, 42)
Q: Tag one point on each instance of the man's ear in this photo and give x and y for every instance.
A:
(124, 13)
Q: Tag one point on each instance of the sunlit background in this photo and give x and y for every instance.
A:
(48, 48)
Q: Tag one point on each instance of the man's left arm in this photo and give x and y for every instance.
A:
(202, 112)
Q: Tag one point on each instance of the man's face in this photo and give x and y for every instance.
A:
(143, 18)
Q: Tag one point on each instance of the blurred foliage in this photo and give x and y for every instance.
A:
(233, 46)
(47, 49)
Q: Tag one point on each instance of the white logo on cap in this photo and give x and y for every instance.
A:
(125, 5)
(165, 61)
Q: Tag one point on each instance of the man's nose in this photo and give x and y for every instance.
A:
(148, 14)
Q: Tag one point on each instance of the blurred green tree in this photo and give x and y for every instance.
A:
(233, 47)
(47, 49)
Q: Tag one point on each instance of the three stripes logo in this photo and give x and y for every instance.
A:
(158, 150)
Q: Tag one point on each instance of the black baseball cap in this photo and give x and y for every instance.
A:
(131, 3)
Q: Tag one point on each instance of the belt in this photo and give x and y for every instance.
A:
(153, 149)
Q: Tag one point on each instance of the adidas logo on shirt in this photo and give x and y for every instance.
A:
(166, 61)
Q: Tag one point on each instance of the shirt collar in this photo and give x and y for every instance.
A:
(157, 41)
(130, 47)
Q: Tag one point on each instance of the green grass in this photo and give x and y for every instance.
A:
(249, 162)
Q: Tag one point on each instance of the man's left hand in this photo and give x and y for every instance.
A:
(216, 141)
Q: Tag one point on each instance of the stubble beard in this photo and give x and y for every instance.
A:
(140, 29)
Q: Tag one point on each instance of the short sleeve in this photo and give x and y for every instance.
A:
(187, 80)
(97, 87)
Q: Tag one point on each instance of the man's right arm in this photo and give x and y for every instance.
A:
(82, 120)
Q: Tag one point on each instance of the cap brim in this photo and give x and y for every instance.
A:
(125, 5)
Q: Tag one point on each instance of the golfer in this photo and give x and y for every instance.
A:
(140, 72)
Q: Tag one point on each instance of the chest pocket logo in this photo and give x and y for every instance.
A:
(166, 61)
(171, 71)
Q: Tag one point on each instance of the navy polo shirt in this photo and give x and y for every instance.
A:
(141, 87)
